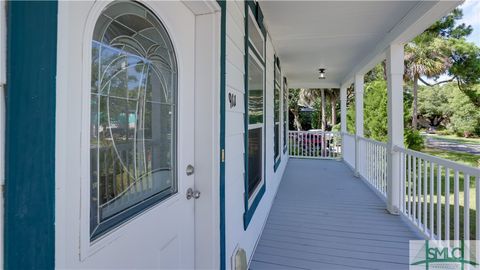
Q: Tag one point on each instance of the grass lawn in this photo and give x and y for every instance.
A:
(464, 158)
(460, 157)
(456, 139)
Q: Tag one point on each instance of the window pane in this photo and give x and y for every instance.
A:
(276, 101)
(133, 115)
(285, 113)
(255, 36)
(255, 91)
(254, 158)
(278, 79)
(277, 142)
(276, 116)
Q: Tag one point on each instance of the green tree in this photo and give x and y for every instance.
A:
(433, 103)
(465, 119)
(293, 99)
(375, 110)
(424, 56)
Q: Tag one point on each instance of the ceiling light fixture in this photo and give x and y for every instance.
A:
(321, 76)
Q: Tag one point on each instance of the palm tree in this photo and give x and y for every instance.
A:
(293, 100)
(424, 56)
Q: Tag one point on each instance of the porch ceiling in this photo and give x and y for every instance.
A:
(344, 37)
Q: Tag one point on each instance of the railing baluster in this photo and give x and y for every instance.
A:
(419, 204)
(414, 176)
(409, 161)
(432, 199)
(439, 202)
(369, 162)
(456, 207)
(447, 203)
(384, 158)
(403, 178)
(466, 206)
(477, 208)
(425, 200)
(300, 143)
(377, 174)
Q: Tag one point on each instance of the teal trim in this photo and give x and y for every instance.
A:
(250, 210)
(30, 135)
(276, 158)
(255, 52)
(277, 163)
(248, 215)
(223, 21)
(285, 115)
(246, 220)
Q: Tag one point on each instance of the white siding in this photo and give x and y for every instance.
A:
(236, 236)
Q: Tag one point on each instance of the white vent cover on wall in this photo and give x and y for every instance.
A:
(239, 260)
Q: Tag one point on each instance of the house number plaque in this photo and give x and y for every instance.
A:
(232, 99)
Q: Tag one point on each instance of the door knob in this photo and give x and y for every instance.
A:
(190, 169)
(192, 194)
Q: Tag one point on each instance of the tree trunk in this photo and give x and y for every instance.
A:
(296, 120)
(414, 105)
(324, 118)
(333, 102)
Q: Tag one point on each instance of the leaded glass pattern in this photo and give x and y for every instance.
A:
(133, 115)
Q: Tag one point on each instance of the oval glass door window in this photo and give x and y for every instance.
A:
(133, 115)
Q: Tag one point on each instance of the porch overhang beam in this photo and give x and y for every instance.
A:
(319, 85)
(419, 18)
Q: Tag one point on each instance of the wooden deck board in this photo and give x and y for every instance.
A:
(325, 218)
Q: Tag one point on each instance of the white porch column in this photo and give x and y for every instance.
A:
(395, 68)
(358, 119)
(343, 109)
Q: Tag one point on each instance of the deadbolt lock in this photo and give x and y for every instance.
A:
(192, 194)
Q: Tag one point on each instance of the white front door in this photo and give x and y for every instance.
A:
(131, 105)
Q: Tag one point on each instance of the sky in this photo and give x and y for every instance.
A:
(471, 16)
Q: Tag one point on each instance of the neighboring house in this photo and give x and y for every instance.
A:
(153, 134)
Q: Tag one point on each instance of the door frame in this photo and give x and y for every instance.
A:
(207, 136)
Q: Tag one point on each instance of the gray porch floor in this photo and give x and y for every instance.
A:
(325, 218)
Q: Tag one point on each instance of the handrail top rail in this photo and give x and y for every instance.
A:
(372, 141)
(472, 171)
(315, 132)
(347, 134)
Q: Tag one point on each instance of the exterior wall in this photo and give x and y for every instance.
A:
(236, 235)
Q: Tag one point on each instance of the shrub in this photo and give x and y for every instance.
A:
(413, 140)
(336, 127)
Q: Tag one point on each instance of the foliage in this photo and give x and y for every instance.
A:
(447, 105)
(465, 120)
(426, 56)
(466, 68)
(351, 118)
(375, 110)
(449, 27)
(413, 140)
(441, 49)
(464, 56)
(336, 127)
(433, 104)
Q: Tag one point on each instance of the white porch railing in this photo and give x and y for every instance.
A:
(426, 184)
(438, 196)
(315, 144)
(373, 163)
(348, 149)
